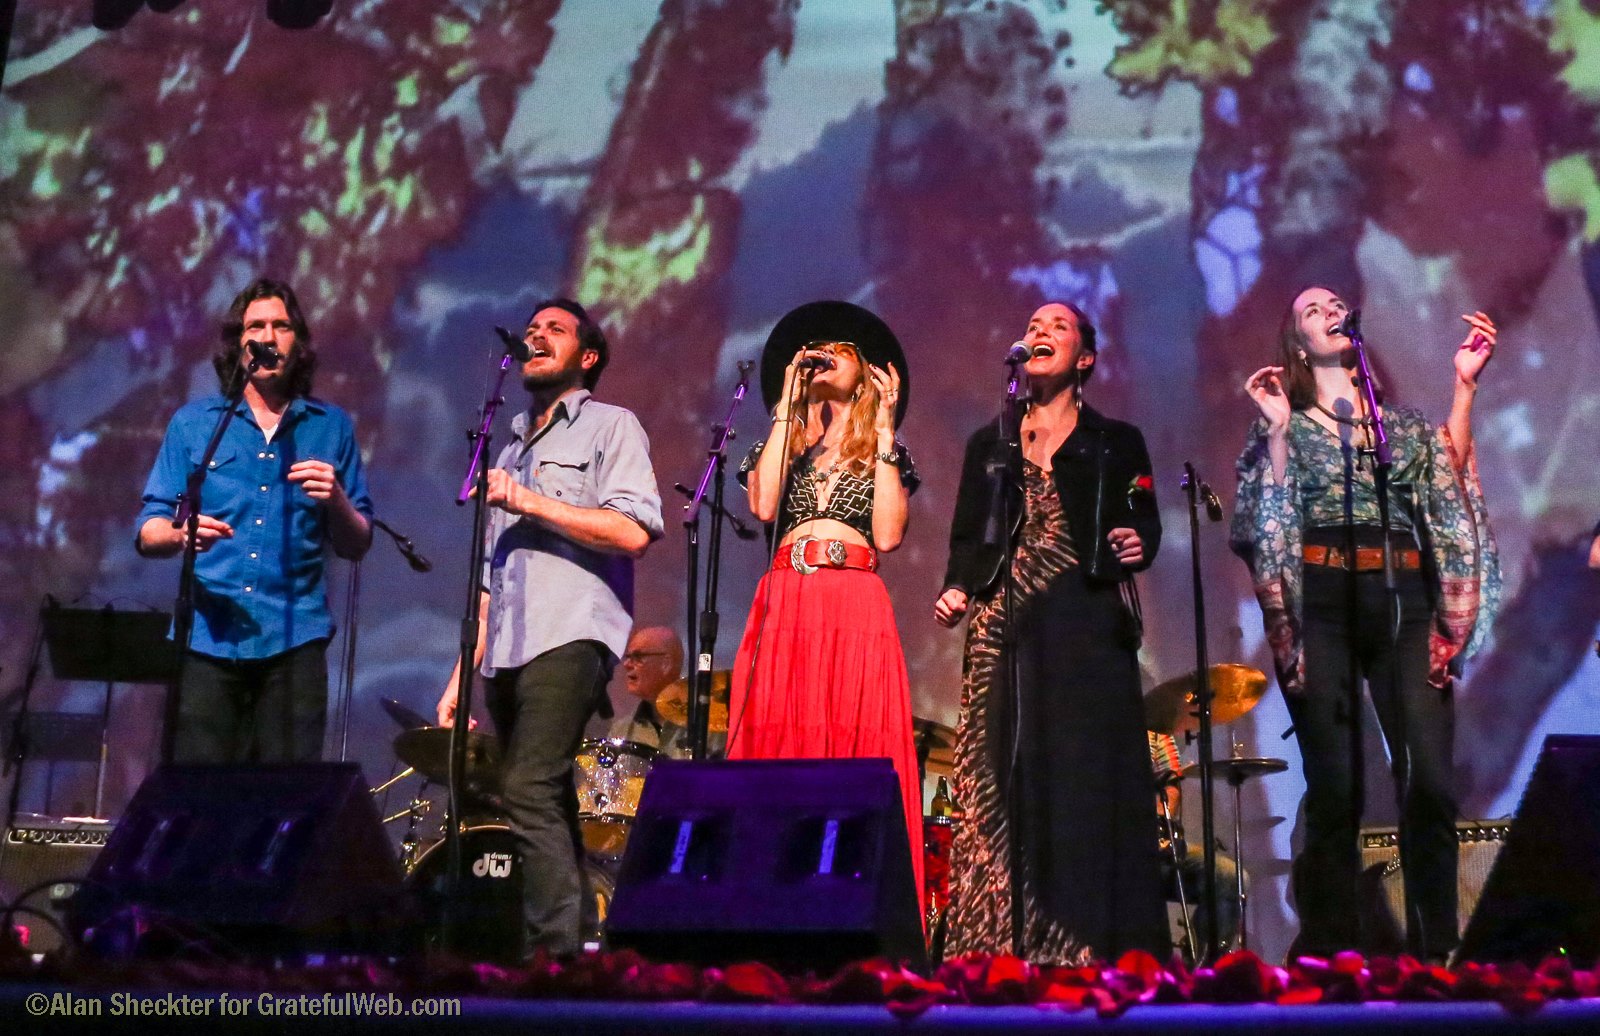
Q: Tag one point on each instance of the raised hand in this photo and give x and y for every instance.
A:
(888, 386)
(1477, 349)
(1265, 388)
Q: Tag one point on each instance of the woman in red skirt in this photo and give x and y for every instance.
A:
(820, 672)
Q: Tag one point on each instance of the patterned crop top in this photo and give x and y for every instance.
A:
(850, 501)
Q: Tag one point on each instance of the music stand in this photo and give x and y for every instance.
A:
(105, 645)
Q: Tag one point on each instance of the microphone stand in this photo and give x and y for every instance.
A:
(1382, 467)
(1197, 491)
(188, 518)
(703, 625)
(474, 487)
(351, 625)
(1005, 471)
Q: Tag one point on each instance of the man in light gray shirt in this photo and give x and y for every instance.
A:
(575, 503)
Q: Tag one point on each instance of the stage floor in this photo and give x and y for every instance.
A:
(57, 1009)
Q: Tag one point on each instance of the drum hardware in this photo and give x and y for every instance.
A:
(1236, 771)
(1235, 690)
(386, 785)
(408, 719)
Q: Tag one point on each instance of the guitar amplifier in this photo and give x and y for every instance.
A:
(1383, 891)
(41, 861)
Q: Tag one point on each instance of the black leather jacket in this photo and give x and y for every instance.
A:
(1103, 474)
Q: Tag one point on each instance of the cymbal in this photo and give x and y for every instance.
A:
(1235, 690)
(936, 744)
(1237, 771)
(404, 716)
(673, 701)
(428, 750)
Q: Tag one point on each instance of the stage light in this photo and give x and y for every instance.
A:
(113, 14)
(297, 14)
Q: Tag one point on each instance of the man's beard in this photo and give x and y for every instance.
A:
(562, 378)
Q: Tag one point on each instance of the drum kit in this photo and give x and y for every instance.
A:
(1171, 708)
(609, 774)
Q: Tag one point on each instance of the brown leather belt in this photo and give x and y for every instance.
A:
(1367, 559)
(807, 554)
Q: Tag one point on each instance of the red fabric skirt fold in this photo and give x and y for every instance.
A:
(829, 681)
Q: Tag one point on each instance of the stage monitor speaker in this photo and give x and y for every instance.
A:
(1383, 886)
(801, 864)
(1543, 894)
(42, 859)
(272, 857)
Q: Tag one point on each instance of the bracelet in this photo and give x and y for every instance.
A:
(890, 457)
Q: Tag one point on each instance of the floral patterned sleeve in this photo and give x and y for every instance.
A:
(1266, 534)
(1464, 554)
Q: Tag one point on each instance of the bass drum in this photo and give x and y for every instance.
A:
(490, 912)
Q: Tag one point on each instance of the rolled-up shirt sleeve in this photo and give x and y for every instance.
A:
(627, 480)
(167, 478)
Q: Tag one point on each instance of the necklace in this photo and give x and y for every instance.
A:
(1357, 422)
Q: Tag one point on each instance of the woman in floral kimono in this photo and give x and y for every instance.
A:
(1307, 521)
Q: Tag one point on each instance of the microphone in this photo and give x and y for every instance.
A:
(519, 350)
(1350, 326)
(1020, 352)
(816, 363)
(408, 550)
(265, 354)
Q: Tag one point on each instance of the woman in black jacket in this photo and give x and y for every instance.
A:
(1055, 778)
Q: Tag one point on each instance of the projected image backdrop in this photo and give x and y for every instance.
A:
(421, 170)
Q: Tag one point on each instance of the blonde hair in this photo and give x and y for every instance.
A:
(859, 444)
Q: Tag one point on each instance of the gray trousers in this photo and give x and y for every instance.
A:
(539, 712)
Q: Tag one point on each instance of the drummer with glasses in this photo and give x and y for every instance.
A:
(652, 661)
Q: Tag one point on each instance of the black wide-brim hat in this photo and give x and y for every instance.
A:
(832, 321)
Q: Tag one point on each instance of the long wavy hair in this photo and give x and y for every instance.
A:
(860, 442)
(299, 368)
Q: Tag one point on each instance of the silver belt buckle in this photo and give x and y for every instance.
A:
(797, 556)
(837, 555)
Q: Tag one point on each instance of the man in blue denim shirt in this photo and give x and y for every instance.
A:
(285, 481)
(575, 503)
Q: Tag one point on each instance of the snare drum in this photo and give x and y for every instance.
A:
(610, 774)
(491, 893)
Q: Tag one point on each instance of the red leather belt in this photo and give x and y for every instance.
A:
(807, 554)
(1366, 559)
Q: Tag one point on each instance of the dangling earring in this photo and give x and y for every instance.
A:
(1304, 360)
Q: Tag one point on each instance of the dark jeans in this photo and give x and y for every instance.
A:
(539, 712)
(269, 710)
(1346, 639)
(1191, 870)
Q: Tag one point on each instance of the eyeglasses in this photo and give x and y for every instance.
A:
(639, 656)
